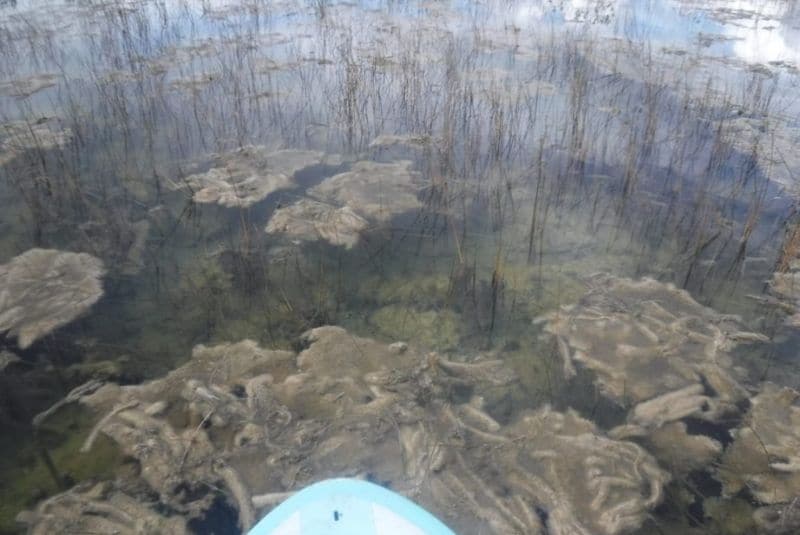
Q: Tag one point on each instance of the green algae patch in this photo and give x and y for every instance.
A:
(538, 371)
(422, 290)
(533, 290)
(28, 480)
(434, 329)
(255, 327)
(730, 516)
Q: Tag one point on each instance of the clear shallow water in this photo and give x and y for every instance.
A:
(653, 139)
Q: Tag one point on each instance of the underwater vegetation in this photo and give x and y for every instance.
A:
(535, 265)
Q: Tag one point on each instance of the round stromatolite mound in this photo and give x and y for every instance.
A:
(43, 289)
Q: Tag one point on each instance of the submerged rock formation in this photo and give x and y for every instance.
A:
(254, 425)
(413, 141)
(311, 220)
(243, 177)
(782, 519)
(656, 352)
(99, 508)
(376, 191)
(785, 284)
(43, 289)
(45, 134)
(587, 482)
(25, 87)
(7, 358)
(764, 457)
(344, 205)
(775, 154)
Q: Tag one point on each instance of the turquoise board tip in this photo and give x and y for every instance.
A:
(349, 507)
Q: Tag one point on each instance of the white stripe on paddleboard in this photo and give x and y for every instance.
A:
(291, 526)
(387, 522)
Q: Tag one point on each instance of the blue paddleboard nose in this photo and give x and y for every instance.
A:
(349, 507)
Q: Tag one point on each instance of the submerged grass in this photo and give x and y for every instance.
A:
(27, 477)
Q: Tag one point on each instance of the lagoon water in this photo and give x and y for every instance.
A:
(447, 174)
